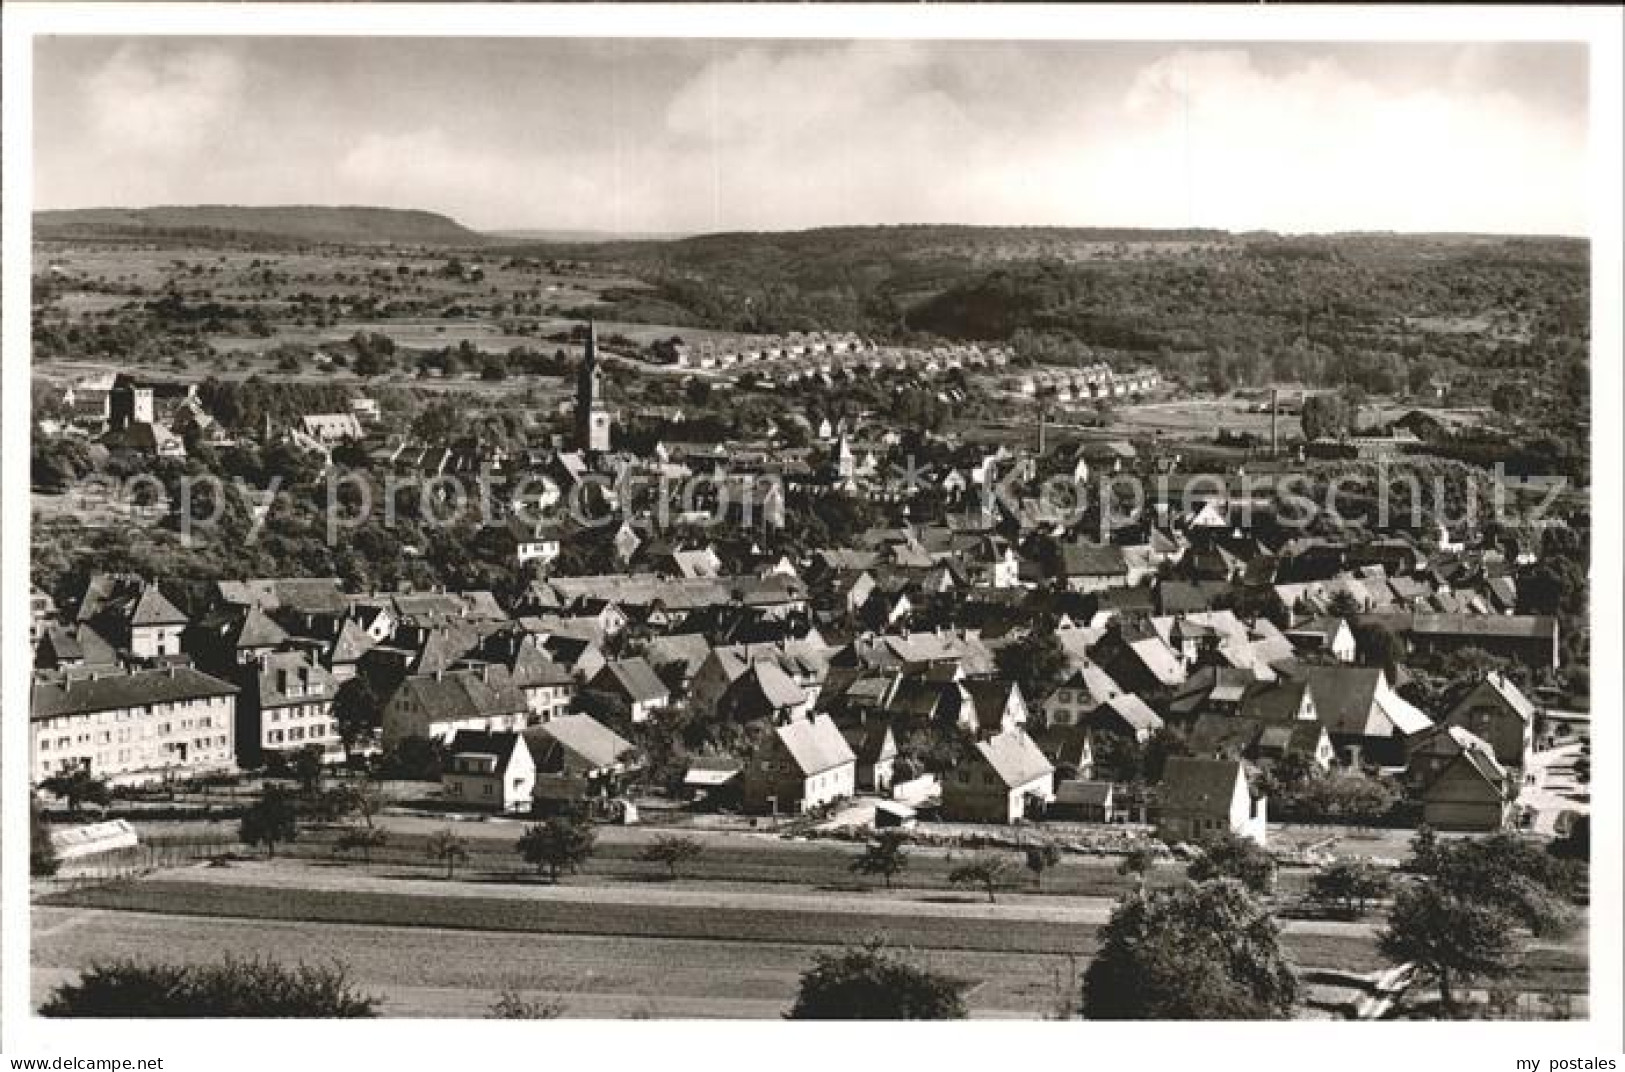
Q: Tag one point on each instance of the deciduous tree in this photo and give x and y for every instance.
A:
(886, 856)
(869, 983)
(1193, 952)
(448, 847)
(562, 843)
(673, 851)
(271, 820)
(989, 871)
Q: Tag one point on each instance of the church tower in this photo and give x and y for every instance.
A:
(592, 419)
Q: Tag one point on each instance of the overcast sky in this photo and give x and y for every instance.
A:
(692, 136)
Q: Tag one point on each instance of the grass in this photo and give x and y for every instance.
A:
(1348, 950)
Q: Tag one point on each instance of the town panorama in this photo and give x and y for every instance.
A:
(907, 622)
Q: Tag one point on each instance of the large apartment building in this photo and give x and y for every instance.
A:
(132, 727)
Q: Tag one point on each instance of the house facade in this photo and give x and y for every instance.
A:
(1201, 799)
(492, 771)
(1497, 711)
(285, 705)
(802, 765)
(1002, 780)
(132, 727)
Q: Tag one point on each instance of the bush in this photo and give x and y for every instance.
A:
(869, 983)
(232, 988)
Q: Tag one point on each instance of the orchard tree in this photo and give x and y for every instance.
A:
(1041, 858)
(886, 856)
(1139, 862)
(448, 847)
(562, 843)
(988, 870)
(1350, 884)
(673, 851)
(360, 838)
(1037, 663)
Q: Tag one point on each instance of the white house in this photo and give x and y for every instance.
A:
(489, 770)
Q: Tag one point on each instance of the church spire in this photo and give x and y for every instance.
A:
(591, 418)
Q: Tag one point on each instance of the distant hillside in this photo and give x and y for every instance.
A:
(344, 225)
(544, 235)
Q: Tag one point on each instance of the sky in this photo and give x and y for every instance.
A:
(689, 136)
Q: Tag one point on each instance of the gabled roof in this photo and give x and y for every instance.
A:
(1085, 794)
(1202, 786)
(686, 649)
(152, 608)
(595, 744)
(634, 679)
(1275, 701)
(79, 643)
(1015, 758)
(460, 695)
(1158, 659)
(502, 745)
(1134, 711)
(1501, 689)
(279, 672)
(871, 743)
(814, 745)
(255, 629)
(776, 687)
(991, 698)
(350, 645)
(1355, 701)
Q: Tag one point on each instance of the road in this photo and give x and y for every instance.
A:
(1554, 788)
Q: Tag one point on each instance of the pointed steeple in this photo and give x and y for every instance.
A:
(591, 419)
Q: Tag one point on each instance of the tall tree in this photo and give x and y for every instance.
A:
(1202, 952)
(1236, 858)
(1452, 939)
(271, 820)
(1349, 884)
(1037, 663)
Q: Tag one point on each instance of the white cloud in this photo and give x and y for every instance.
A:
(155, 104)
(1315, 148)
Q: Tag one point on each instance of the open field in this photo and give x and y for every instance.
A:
(434, 947)
(433, 972)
